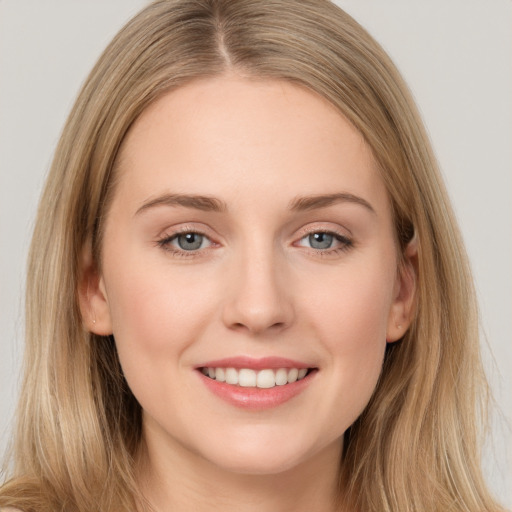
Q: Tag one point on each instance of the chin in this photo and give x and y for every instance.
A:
(258, 464)
(261, 455)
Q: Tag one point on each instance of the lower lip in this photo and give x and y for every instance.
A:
(257, 398)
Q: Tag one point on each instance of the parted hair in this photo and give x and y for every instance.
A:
(416, 446)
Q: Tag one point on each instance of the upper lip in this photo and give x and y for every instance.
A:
(254, 363)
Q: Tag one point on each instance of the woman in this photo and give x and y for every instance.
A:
(271, 306)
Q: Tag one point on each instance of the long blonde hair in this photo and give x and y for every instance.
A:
(416, 445)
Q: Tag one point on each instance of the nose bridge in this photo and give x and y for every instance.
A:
(258, 300)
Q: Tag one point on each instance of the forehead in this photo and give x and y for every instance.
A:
(233, 135)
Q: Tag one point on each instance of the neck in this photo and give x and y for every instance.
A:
(179, 480)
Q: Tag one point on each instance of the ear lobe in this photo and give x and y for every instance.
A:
(92, 296)
(402, 309)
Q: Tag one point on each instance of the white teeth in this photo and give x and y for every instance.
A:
(266, 379)
(248, 378)
(293, 373)
(231, 376)
(281, 377)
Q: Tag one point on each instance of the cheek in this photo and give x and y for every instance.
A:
(156, 316)
(156, 298)
(350, 316)
(351, 306)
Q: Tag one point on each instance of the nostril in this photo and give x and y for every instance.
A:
(256, 328)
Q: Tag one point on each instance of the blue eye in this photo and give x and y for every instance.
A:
(325, 241)
(185, 243)
(321, 240)
(190, 241)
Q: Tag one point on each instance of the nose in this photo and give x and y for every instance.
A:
(259, 300)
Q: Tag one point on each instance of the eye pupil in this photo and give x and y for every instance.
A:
(190, 241)
(320, 240)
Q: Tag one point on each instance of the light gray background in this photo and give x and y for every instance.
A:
(456, 56)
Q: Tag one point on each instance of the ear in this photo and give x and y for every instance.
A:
(92, 296)
(402, 309)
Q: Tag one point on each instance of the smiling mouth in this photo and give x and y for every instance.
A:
(249, 378)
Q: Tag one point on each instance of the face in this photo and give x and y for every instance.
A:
(250, 239)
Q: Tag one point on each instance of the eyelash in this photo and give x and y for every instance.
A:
(346, 243)
(166, 241)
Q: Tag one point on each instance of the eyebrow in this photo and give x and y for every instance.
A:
(204, 203)
(213, 204)
(322, 201)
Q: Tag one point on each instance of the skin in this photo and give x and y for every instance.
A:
(255, 288)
